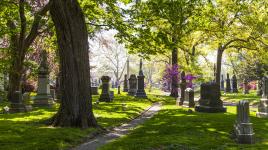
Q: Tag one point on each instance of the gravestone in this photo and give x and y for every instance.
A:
(228, 84)
(210, 99)
(243, 129)
(234, 84)
(111, 95)
(43, 97)
(189, 98)
(182, 88)
(132, 85)
(259, 88)
(118, 89)
(94, 90)
(222, 83)
(245, 87)
(105, 93)
(125, 84)
(17, 105)
(141, 92)
(26, 100)
(263, 105)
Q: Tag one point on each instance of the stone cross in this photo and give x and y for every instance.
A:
(105, 93)
(228, 84)
(132, 85)
(242, 127)
(140, 91)
(234, 84)
(263, 105)
(125, 84)
(182, 88)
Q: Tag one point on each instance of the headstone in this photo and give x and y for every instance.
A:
(263, 105)
(210, 99)
(222, 83)
(17, 105)
(245, 87)
(26, 100)
(234, 84)
(189, 98)
(242, 127)
(141, 92)
(259, 88)
(118, 89)
(132, 85)
(125, 84)
(105, 93)
(43, 97)
(94, 90)
(228, 84)
(182, 88)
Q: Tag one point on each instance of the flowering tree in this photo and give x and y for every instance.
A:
(190, 78)
(171, 72)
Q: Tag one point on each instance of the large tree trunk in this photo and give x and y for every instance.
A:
(218, 66)
(76, 106)
(174, 81)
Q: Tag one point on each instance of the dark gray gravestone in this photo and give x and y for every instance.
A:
(94, 90)
(17, 105)
(189, 98)
(26, 100)
(245, 87)
(43, 97)
(141, 92)
(125, 84)
(242, 127)
(263, 106)
(132, 85)
(182, 88)
(234, 84)
(228, 84)
(105, 93)
(222, 83)
(210, 99)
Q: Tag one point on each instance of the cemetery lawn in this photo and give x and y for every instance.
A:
(28, 131)
(175, 128)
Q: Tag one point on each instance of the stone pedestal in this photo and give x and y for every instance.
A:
(105, 93)
(132, 85)
(141, 92)
(222, 83)
(263, 105)
(125, 84)
(245, 87)
(210, 99)
(189, 98)
(243, 128)
(182, 88)
(17, 105)
(228, 84)
(234, 84)
(94, 90)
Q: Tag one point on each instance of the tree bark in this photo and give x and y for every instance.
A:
(218, 65)
(72, 37)
(174, 81)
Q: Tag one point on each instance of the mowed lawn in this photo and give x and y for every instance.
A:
(177, 128)
(27, 131)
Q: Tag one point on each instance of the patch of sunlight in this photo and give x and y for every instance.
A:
(266, 124)
(211, 129)
(152, 132)
(48, 127)
(221, 132)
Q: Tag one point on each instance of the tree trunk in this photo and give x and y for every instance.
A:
(14, 79)
(76, 102)
(174, 81)
(218, 66)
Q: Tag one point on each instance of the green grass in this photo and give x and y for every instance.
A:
(233, 97)
(27, 131)
(174, 128)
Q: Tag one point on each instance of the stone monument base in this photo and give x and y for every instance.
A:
(188, 104)
(209, 109)
(17, 108)
(241, 137)
(105, 98)
(140, 94)
(131, 92)
(43, 100)
(263, 108)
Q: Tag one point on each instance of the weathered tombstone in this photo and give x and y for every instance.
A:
(105, 93)
(26, 100)
(17, 104)
(234, 84)
(263, 106)
(259, 88)
(210, 99)
(141, 92)
(125, 84)
(228, 84)
(243, 129)
(189, 98)
(222, 83)
(182, 88)
(245, 87)
(43, 97)
(132, 85)
(94, 90)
